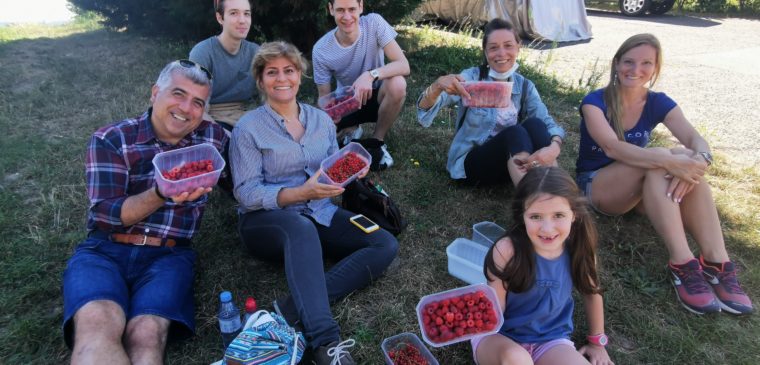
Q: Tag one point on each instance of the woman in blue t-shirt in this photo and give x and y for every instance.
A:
(618, 173)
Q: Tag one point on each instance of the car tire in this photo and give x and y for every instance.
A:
(661, 7)
(634, 7)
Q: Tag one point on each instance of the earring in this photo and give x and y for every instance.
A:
(615, 80)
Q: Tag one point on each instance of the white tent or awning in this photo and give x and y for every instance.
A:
(552, 20)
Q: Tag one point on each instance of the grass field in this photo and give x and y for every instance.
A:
(58, 84)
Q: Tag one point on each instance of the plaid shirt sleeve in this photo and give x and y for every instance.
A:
(107, 178)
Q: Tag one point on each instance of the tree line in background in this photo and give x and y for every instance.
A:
(300, 22)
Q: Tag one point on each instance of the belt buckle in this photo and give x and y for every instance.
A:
(144, 241)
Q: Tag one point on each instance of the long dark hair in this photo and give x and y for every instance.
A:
(520, 272)
(490, 27)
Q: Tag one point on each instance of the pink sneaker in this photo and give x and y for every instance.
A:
(730, 295)
(692, 289)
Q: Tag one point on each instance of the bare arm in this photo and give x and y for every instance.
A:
(685, 132)
(451, 84)
(595, 317)
(681, 166)
(502, 254)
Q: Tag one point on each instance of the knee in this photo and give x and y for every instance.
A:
(389, 246)
(147, 332)
(395, 89)
(101, 320)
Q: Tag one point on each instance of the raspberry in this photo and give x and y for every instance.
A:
(345, 167)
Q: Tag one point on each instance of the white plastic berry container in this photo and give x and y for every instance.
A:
(437, 298)
(168, 160)
(465, 260)
(339, 103)
(487, 94)
(396, 343)
(486, 233)
(332, 159)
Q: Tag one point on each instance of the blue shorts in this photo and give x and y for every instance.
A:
(584, 181)
(140, 279)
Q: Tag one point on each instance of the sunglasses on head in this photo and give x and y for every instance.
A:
(190, 64)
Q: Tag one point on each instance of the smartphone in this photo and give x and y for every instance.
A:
(364, 223)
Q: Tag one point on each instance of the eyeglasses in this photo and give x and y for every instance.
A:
(190, 64)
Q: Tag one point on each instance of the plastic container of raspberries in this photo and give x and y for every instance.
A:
(345, 166)
(459, 314)
(339, 103)
(186, 169)
(488, 94)
(406, 348)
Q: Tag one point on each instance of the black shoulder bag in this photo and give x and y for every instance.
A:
(362, 196)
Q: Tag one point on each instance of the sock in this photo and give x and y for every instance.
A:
(717, 265)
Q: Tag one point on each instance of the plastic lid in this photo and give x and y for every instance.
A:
(250, 305)
(225, 296)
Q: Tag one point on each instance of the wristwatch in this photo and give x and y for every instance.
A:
(707, 156)
(599, 340)
(375, 74)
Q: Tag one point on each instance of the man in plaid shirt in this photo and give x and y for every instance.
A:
(128, 286)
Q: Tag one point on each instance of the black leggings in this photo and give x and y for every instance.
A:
(487, 164)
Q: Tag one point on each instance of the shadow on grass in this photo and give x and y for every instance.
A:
(81, 82)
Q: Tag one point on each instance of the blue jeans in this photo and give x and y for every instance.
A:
(140, 279)
(279, 235)
(487, 163)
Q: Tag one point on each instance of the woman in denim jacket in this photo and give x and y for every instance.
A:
(495, 145)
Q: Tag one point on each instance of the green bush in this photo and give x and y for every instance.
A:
(301, 22)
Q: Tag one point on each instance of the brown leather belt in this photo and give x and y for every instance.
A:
(141, 240)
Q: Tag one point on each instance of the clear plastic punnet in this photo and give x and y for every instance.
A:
(165, 161)
(339, 103)
(343, 173)
(446, 304)
(400, 342)
(466, 260)
(487, 94)
(486, 233)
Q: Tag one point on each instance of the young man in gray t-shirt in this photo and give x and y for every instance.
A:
(354, 54)
(228, 56)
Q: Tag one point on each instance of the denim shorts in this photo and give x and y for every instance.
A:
(584, 181)
(140, 279)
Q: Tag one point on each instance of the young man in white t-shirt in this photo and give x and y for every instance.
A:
(354, 54)
(228, 56)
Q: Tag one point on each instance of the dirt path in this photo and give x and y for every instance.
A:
(710, 68)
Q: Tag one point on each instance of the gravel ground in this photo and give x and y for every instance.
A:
(710, 69)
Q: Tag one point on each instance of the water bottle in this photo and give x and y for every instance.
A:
(229, 319)
(250, 307)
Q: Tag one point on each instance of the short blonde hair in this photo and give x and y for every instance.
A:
(272, 50)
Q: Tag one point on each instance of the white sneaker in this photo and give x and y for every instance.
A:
(349, 135)
(386, 159)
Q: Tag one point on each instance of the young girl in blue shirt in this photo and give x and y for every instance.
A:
(549, 250)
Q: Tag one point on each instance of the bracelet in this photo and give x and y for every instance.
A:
(558, 140)
(159, 193)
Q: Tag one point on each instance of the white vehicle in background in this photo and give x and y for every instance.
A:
(640, 7)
